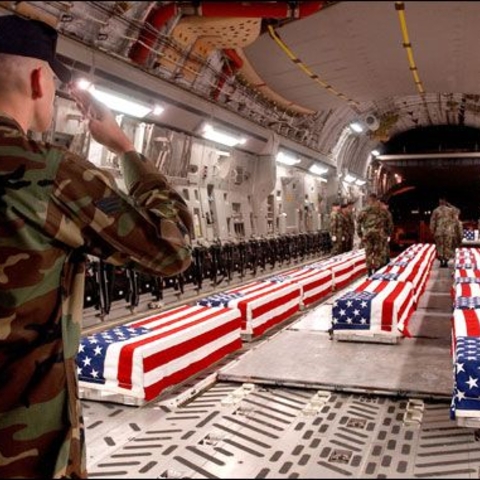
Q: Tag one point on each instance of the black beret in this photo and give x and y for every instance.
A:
(32, 38)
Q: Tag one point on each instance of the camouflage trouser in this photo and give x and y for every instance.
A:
(445, 247)
(337, 247)
(374, 244)
(347, 244)
(386, 248)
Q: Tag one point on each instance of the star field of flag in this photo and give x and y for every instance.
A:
(352, 310)
(90, 358)
(469, 235)
(467, 280)
(467, 303)
(466, 391)
(467, 265)
(220, 299)
(384, 276)
(400, 263)
(278, 279)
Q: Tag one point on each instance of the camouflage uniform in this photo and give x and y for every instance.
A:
(349, 229)
(388, 233)
(337, 231)
(373, 223)
(55, 208)
(441, 226)
(456, 230)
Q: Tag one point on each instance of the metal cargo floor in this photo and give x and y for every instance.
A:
(303, 355)
(209, 427)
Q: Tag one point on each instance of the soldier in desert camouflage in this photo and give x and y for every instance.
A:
(56, 207)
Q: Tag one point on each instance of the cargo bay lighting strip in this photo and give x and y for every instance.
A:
(303, 67)
(400, 8)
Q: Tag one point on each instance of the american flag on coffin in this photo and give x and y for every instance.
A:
(467, 303)
(466, 372)
(467, 252)
(466, 323)
(142, 358)
(463, 290)
(315, 283)
(416, 272)
(460, 273)
(467, 256)
(359, 262)
(341, 267)
(375, 305)
(263, 304)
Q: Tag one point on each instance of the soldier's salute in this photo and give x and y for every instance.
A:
(443, 227)
(373, 223)
(337, 225)
(57, 207)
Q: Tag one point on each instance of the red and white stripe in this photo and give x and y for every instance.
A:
(467, 290)
(393, 306)
(182, 342)
(466, 323)
(265, 304)
(315, 283)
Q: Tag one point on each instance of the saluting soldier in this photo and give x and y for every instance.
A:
(373, 223)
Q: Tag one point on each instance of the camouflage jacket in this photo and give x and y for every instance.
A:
(349, 224)
(441, 221)
(55, 208)
(337, 225)
(374, 220)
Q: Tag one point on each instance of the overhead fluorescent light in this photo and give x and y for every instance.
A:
(349, 178)
(375, 153)
(215, 135)
(222, 153)
(360, 182)
(119, 103)
(287, 159)
(356, 127)
(158, 110)
(317, 169)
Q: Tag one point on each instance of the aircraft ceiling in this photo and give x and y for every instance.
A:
(398, 65)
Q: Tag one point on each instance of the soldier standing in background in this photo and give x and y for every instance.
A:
(373, 223)
(388, 231)
(349, 226)
(442, 227)
(337, 229)
(457, 229)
